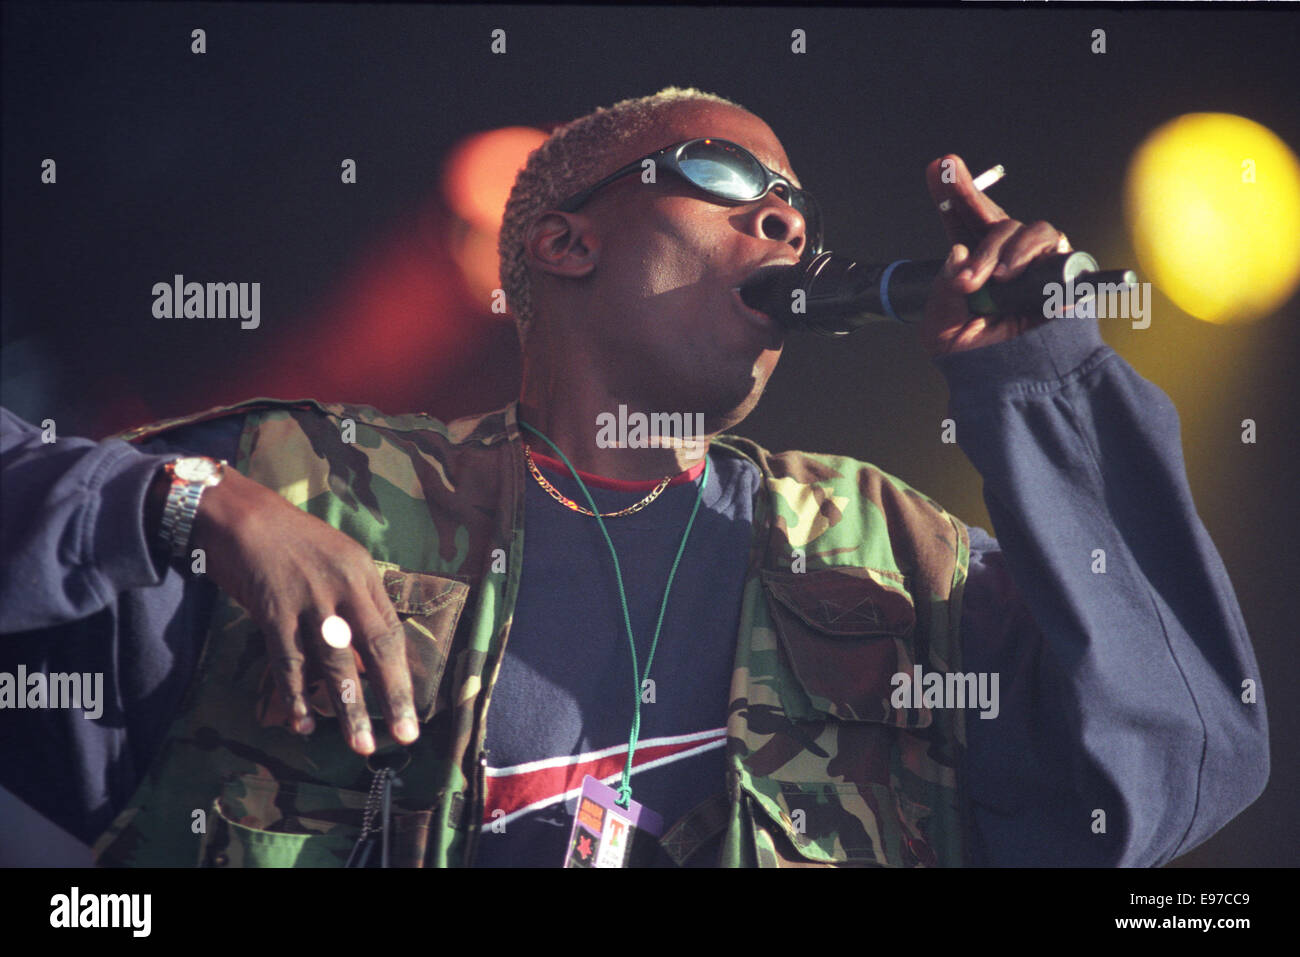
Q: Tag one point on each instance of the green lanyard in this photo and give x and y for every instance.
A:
(625, 786)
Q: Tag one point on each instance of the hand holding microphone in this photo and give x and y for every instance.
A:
(965, 302)
(1003, 249)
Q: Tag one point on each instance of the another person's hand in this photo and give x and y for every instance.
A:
(1003, 249)
(290, 571)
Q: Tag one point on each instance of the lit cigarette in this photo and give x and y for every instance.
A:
(982, 182)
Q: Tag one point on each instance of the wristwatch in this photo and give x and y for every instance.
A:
(190, 476)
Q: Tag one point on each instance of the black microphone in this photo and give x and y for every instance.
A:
(834, 295)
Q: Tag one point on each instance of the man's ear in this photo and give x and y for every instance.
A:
(563, 244)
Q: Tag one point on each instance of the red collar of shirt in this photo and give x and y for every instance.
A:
(550, 464)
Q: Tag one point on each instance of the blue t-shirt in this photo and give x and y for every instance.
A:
(563, 703)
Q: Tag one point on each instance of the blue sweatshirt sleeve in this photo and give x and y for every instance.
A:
(73, 531)
(1122, 737)
(83, 593)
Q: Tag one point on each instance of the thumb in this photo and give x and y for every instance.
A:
(958, 256)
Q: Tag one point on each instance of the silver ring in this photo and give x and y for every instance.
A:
(336, 632)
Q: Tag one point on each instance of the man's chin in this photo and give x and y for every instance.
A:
(736, 407)
(725, 389)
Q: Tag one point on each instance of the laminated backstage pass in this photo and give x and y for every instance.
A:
(606, 835)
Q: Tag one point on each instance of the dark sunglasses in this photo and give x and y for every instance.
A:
(725, 171)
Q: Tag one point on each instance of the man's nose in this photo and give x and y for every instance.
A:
(777, 219)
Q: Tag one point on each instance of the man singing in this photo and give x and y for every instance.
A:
(424, 637)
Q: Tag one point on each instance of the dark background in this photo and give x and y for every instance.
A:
(225, 167)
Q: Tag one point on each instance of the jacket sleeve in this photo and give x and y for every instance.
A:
(1127, 734)
(73, 535)
(81, 594)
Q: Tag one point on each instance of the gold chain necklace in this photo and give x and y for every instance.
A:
(570, 503)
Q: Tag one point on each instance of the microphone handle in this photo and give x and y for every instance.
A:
(842, 295)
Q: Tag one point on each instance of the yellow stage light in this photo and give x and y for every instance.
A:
(1212, 203)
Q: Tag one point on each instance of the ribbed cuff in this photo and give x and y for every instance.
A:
(116, 539)
(1043, 355)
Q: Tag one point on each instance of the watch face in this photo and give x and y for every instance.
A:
(195, 469)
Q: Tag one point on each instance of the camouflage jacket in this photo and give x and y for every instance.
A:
(853, 577)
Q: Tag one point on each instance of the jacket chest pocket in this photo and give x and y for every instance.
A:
(844, 636)
(429, 608)
(837, 768)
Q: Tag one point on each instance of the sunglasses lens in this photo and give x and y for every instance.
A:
(732, 173)
(723, 169)
(812, 217)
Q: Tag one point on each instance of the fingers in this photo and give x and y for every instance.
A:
(945, 312)
(958, 259)
(378, 650)
(1004, 247)
(1024, 246)
(947, 290)
(292, 572)
(342, 683)
(971, 212)
(987, 255)
(986, 245)
(383, 648)
(1007, 251)
(286, 659)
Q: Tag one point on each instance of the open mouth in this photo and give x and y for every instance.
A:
(748, 309)
(767, 290)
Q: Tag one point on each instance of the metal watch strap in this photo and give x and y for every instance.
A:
(178, 514)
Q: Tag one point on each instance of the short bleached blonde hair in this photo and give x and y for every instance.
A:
(572, 158)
